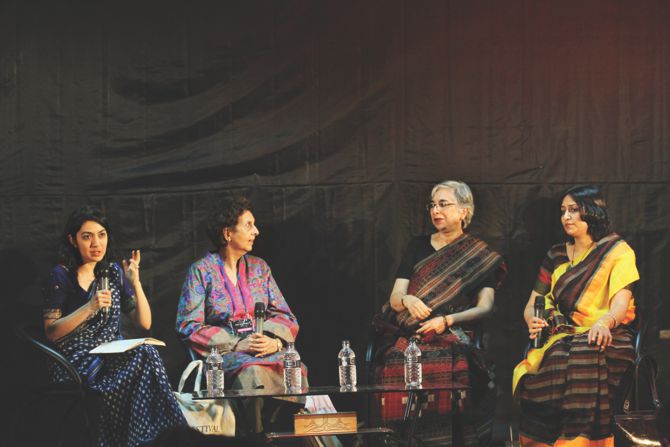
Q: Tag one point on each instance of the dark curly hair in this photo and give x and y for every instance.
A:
(68, 254)
(226, 214)
(592, 209)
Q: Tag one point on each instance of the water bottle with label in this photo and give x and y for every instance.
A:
(292, 368)
(347, 361)
(412, 364)
(214, 372)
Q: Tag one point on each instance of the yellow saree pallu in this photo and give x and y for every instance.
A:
(565, 388)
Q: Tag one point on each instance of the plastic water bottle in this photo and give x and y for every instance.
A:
(347, 361)
(214, 372)
(292, 368)
(412, 364)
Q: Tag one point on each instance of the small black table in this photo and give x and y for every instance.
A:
(416, 396)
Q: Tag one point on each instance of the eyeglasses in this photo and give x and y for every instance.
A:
(439, 205)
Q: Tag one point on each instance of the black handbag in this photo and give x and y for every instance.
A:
(636, 427)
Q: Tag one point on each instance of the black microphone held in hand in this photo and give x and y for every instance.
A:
(259, 316)
(102, 275)
(538, 312)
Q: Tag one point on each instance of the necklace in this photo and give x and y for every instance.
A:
(574, 246)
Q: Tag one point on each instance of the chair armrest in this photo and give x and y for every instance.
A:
(478, 340)
(372, 346)
(32, 335)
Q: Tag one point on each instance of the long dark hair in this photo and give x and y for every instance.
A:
(592, 209)
(68, 254)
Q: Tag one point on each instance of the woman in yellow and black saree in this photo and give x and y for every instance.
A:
(445, 284)
(566, 387)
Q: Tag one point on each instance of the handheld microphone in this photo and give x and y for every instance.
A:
(538, 312)
(102, 274)
(259, 316)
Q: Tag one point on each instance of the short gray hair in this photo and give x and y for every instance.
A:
(463, 196)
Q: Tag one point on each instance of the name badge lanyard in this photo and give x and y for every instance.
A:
(240, 296)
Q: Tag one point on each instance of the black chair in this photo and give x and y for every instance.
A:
(637, 376)
(73, 404)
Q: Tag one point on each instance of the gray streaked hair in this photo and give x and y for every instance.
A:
(463, 196)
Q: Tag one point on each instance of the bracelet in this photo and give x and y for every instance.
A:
(279, 344)
(444, 319)
(608, 326)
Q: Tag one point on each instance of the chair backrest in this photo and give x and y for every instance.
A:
(644, 372)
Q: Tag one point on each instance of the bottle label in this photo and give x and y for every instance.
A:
(292, 364)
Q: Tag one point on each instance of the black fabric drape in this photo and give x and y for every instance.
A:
(335, 118)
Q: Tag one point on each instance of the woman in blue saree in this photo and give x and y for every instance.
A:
(136, 399)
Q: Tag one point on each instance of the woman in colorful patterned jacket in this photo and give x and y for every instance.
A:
(444, 286)
(217, 302)
(565, 387)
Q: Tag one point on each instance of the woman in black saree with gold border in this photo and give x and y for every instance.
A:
(445, 283)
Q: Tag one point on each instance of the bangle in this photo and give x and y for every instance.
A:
(446, 323)
(608, 326)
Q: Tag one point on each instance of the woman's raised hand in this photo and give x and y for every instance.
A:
(416, 307)
(132, 267)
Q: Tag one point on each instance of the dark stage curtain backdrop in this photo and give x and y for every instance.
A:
(335, 118)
